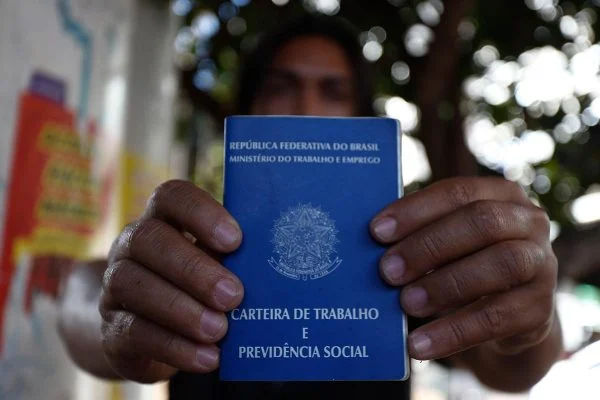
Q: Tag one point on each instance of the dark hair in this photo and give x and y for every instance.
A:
(256, 63)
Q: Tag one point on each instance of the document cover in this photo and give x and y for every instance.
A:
(304, 190)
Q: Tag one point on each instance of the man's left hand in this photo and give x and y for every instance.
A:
(474, 254)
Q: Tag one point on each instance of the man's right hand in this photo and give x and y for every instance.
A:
(165, 295)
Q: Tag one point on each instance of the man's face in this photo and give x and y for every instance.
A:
(309, 76)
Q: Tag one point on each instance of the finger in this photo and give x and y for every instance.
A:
(493, 270)
(421, 208)
(185, 205)
(131, 341)
(142, 292)
(457, 235)
(141, 369)
(162, 249)
(492, 318)
(519, 343)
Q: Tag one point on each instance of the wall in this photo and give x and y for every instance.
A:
(86, 102)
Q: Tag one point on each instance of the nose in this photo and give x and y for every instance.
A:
(310, 102)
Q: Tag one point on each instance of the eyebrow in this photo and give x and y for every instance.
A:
(286, 74)
(290, 74)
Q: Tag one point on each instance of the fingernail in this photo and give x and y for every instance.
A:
(414, 298)
(207, 357)
(227, 233)
(421, 344)
(212, 323)
(226, 292)
(385, 228)
(392, 268)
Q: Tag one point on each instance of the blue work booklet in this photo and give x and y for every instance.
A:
(304, 191)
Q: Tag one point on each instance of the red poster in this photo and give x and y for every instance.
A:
(56, 201)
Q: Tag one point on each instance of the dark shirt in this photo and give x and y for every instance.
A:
(186, 386)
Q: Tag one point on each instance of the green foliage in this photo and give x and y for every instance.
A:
(509, 29)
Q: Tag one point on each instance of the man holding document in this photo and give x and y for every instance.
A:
(469, 259)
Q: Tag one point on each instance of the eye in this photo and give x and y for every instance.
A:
(277, 85)
(274, 85)
(337, 90)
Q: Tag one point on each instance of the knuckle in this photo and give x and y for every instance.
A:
(175, 302)
(539, 220)
(121, 245)
(109, 344)
(518, 261)
(432, 245)
(104, 307)
(125, 325)
(461, 192)
(487, 219)
(545, 308)
(512, 186)
(181, 308)
(107, 318)
(552, 261)
(165, 191)
(494, 319)
(140, 234)
(541, 215)
(172, 346)
(454, 287)
(113, 282)
(536, 318)
(189, 268)
(188, 197)
(116, 335)
(458, 332)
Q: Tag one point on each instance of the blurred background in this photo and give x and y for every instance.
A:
(102, 100)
